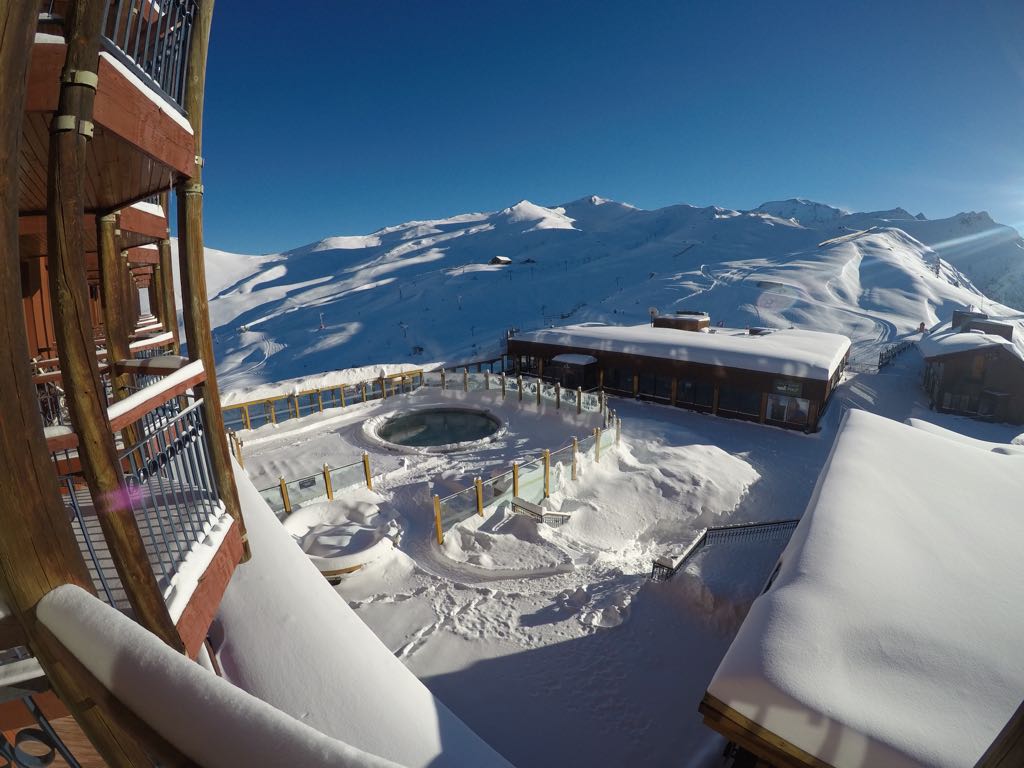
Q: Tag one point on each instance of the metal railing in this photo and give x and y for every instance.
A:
(288, 494)
(664, 568)
(891, 352)
(153, 39)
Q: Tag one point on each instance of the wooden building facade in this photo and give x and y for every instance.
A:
(774, 397)
(113, 440)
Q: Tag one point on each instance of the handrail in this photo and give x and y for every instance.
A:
(667, 566)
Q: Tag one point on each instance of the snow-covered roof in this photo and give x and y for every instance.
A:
(570, 358)
(946, 340)
(790, 352)
(891, 633)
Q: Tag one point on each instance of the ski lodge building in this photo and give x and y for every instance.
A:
(974, 365)
(888, 633)
(782, 377)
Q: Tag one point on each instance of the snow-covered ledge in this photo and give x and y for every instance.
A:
(205, 717)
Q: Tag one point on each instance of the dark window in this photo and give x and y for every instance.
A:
(739, 401)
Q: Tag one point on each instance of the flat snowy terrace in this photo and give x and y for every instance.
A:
(947, 341)
(787, 352)
(891, 633)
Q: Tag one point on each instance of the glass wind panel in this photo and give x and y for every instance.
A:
(531, 481)
(306, 489)
(282, 409)
(497, 490)
(259, 415)
(273, 498)
(591, 401)
(586, 446)
(607, 439)
(476, 381)
(348, 476)
(432, 379)
(458, 507)
(547, 391)
(233, 419)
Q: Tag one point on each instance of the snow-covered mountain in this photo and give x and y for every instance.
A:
(424, 290)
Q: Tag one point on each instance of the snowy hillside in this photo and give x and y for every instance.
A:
(425, 291)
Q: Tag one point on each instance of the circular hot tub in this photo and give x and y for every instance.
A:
(434, 430)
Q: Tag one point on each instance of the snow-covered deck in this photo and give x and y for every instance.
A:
(786, 352)
(891, 633)
(950, 341)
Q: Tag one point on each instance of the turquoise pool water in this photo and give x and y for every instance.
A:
(438, 426)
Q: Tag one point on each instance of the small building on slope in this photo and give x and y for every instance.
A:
(780, 377)
(889, 631)
(975, 366)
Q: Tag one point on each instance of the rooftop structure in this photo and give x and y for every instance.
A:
(897, 589)
(782, 376)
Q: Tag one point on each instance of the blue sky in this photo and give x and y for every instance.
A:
(343, 117)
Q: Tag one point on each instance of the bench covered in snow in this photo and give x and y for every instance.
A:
(537, 512)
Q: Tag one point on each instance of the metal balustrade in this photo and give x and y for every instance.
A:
(664, 568)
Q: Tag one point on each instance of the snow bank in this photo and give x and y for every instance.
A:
(804, 354)
(901, 585)
(343, 533)
(325, 380)
(208, 719)
(286, 636)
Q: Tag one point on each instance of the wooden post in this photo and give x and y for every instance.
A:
(442, 379)
(383, 388)
(362, 389)
(112, 279)
(540, 368)
(636, 385)
(193, 273)
(320, 399)
(540, 383)
(327, 482)
(479, 496)
(342, 390)
(168, 302)
(366, 470)
(575, 456)
(515, 478)
(38, 551)
(241, 455)
(295, 404)
(558, 396)
(70, 131)
(675, 389)
(245, 416)
(437, 519)
(597, 444)
(503, 385)
(273, 411)
(465, 379)
(487, 380)
(547, 473)
(579, 400)
(284, 496)
(519, 381)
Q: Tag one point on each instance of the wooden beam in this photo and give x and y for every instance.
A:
(38, 551)
(193, 272)
(66, 171)
(1007, 750)
(202, 607)
(111, 277)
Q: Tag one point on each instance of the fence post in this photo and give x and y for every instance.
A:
(320, 399)
(487, 380)
(273, 412)
(341, 389)
(284, 496)
(502, 385)
(241, 458)
(558, 396)
(383, 388)
(327, 482)
(597, 444)
(295, 400)
(515, 478)
(479, 496)
(547, 473)
(579, 400)
(245, 417)
(465, 379)
(539, 384)
(362, 388)
(618, 430)
(575, 454)
(366, 470)
(442, 379)
(437, 519)
(519, 381)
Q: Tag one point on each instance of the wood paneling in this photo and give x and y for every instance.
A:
(202, 607)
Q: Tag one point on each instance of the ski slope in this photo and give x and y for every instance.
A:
(424, 290)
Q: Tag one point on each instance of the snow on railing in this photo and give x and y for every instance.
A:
(893, 351)
(667, 566)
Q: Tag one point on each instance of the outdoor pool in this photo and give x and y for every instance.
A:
(445, 428)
